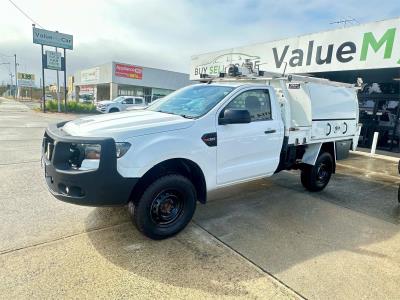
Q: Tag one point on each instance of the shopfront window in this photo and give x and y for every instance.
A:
(380, 113)
(126, 90)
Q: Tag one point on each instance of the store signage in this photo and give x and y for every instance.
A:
(26, 79)
(86, 89)
(90, 75)
(52, 38)
(367, 46)
(53, 60)
(128, 71)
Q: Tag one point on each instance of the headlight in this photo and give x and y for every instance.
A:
(80, 153)
(92, 151)
(122, 148)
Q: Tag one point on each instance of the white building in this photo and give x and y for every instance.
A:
(114, 79)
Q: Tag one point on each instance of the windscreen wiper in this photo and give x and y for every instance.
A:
(188, 117)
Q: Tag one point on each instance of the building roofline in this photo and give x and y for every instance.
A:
(118, 62)
(125, 63)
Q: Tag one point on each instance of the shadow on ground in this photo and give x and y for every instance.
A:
(275, 223)
(190, 260)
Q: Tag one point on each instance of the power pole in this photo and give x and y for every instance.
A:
(12, 83)
(16, 80)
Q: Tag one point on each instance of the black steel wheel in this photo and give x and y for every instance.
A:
(165, 208)
(315, 178)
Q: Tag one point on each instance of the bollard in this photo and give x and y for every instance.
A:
(374, 142)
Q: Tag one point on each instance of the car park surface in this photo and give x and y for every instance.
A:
(265, 239)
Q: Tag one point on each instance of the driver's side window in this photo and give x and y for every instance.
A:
(128, 101)
(257, 102)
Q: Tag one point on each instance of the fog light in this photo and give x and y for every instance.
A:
(122, 148)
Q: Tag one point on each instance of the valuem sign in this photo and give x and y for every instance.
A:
(367, 46)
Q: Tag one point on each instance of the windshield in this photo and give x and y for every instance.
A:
(118, 99)
(192, 101)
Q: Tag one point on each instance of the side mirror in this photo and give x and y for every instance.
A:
(235, 116)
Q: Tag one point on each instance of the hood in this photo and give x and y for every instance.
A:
(127, 124)
(104, 102)
(136, 107)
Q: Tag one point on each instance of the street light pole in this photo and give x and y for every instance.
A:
(16, 80)
(12, 82)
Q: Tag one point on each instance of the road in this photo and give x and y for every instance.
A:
(265, 239)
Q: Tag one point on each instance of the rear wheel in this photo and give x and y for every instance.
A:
(165, 208)
(315, 178)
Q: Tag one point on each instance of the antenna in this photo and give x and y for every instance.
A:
(284, 70)
(344, 22)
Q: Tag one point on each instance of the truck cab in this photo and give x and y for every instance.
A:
(162, 160)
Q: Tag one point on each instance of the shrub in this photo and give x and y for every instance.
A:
(72, 106)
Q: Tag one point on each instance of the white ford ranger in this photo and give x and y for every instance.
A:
(164, 159)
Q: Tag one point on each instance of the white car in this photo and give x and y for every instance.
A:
(120, 103)
(162, 160)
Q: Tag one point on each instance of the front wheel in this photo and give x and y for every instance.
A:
(315, 178)
(165, 208)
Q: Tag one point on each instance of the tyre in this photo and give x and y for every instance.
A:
(165, 208)
(113, 110)
(315, 178)
(398, 194)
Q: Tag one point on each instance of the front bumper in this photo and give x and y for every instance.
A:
(102, 109)
(103, 186)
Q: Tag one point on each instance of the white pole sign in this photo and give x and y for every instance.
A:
(53, 60)
(52, 38)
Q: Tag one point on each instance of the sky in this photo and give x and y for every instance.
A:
(165, 33)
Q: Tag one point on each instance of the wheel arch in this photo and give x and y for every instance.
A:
(312, 151)
(330, 148)
(183, 166)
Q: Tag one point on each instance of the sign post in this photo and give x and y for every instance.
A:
(52, 59)
(43, 85)
(65, 79)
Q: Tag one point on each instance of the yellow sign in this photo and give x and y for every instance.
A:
(26, 79)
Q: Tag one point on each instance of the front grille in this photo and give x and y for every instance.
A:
(48, 147)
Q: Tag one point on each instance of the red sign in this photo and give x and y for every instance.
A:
(128, 71)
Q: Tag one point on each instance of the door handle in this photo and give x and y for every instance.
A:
(270, 131)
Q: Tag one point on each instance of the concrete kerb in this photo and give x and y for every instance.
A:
(379, 156)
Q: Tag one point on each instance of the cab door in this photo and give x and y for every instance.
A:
(127, 102)
(252, 149)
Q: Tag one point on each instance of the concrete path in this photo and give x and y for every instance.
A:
(9, 105)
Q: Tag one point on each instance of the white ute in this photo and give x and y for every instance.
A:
(164, 159)
(120, 103)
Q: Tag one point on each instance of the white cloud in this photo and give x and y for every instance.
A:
(164, 34)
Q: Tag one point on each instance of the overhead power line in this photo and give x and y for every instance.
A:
(25, 14)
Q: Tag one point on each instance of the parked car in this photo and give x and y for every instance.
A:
(120, 103)
(49, 97)
(86, 98)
